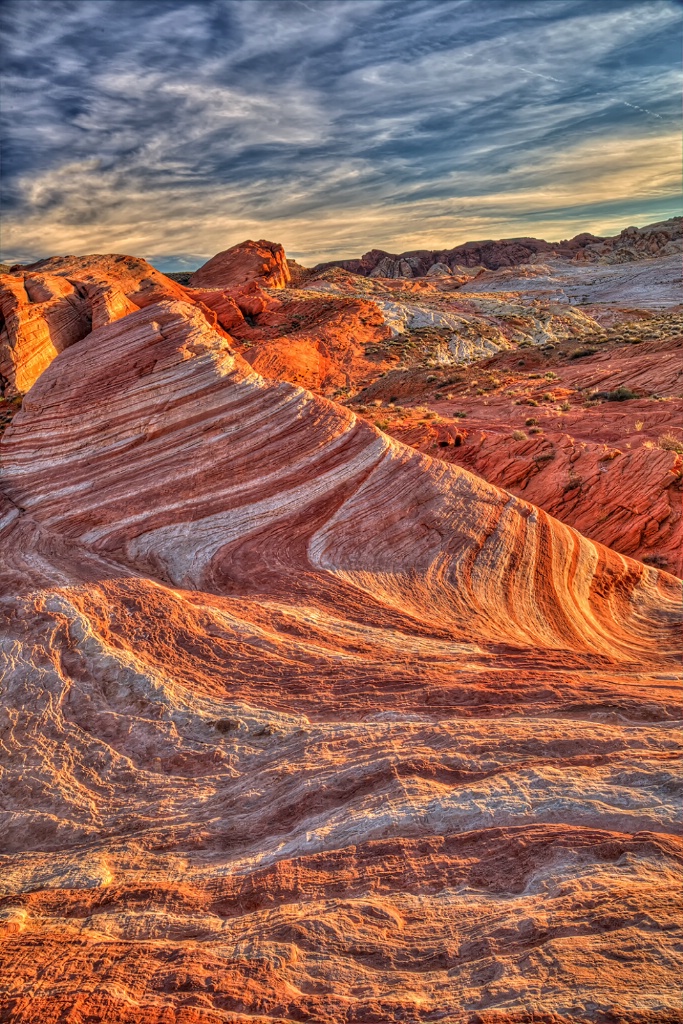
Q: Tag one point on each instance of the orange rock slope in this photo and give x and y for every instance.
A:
(301, 724)
(596, 441)
(248, 261)
(49, 305)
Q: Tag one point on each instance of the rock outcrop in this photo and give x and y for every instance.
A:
(655, 240)
(651, 242)
(263, 262)
(645, 284)
(596, 440)
(506, 252)
(303, 724)
(49, 305)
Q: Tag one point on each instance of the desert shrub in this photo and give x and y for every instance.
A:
(548, 396)
(565, 406)
(459, 415)
(550, 375)
(620, 394)
(536, 430)
(581, 353)
(531, 401)
(531, 422)
(431, 378)
(670, 443)
(518, 435)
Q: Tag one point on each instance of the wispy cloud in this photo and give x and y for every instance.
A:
(162, 127)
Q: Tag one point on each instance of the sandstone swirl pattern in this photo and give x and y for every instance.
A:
(303, 725)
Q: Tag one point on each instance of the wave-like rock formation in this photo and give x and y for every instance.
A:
(301, 724)
(597, 441)
(49, 305)
(630, 500)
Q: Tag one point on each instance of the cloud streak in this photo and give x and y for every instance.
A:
(173, 129)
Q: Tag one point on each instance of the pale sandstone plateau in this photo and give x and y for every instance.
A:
(341, 637)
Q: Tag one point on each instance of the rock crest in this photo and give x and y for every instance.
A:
(263, 262)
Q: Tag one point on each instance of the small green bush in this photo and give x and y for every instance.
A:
(620, 394)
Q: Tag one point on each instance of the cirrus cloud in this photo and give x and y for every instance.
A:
(175, 129)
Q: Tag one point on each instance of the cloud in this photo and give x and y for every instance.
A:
(160, 127)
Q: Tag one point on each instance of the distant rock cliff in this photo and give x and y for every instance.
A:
(661, 239)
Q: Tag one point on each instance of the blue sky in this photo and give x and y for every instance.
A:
(173, 130)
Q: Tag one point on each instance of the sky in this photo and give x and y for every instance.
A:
(173, 129)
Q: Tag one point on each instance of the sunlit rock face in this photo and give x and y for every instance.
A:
(262, 261)
(302, 724)
(49, 305)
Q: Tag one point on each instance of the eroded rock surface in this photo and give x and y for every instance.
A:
(655, 240)
(303, 724)
(262, 261)
(49, 305)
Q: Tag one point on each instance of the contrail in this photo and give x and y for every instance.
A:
(539, 75)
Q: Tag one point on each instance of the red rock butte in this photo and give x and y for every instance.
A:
(303, 722)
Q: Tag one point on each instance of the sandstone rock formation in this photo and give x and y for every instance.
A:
(611, 468)
(49, 305)
(652, 241)
(492, 255)
(303, 724)
(647, 284)
(264, 262)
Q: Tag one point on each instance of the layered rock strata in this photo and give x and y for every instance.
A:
(303, 724)
(243, 263)
(49, 305)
